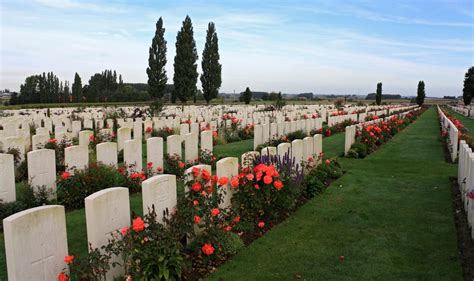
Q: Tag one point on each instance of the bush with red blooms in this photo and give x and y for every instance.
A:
(101, 137)
(246, 132)
(208, 222)
(147, 250)
(207, 157)
(463, 133)
(58, 146)
(163, 132)
(174, 165)
(261, 194)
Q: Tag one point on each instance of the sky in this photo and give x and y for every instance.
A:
(320, 46)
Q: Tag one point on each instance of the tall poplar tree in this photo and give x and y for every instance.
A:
(185, 66)
(211, 79)
(156, 63)
(420, 93)
(468, 89)
(77, 88)
(378, 94)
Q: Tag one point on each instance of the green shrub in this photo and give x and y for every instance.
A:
(360, 148)
(352, 154)
(313, 185)
(296, 135)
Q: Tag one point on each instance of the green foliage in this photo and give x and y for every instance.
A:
(211, 68)
(296, 135)
(155, 108)
(468, 89)
(246, 96)
(185, 66)
(156, 63)
(378, 94)
(77, 88)
(360, 149)
(279, 102)
(72, 190)
(420, 94)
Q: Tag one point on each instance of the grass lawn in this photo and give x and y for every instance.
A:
(390, 217)
(76, 221)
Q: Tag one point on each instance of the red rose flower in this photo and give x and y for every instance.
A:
(215, 212)
(195, 202)
(124, 230)
(223, 180)
(236, 219)
(256, 186)
(196, 187)
(195, 171)
(328, 162)
(261, 224)
(197, 219)
(62, 277)
(249, 177)
(159, 169)
(181, 164)
(205, 174)
(214, 179)
(149, 165)
(278, 184)
(68, 259)
(207, 249)
(138, 224)
(234, 182)
(267, 179)
(66, 175)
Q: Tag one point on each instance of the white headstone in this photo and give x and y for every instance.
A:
(36, 243)
(297, 150)
(154, 153)
(7, 178)
(191, 151)
(123, 134)
(228, 167)
(107, 211)
(132, 155)
(206, 141)
(76, 158)
(107, 153)
(173, 145)
(42, 168)
(160, 192)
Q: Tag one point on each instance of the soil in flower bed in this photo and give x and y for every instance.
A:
(465, 243)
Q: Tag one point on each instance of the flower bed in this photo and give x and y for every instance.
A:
(371, 136)
(201, 234)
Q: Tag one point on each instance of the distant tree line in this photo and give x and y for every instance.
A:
(106, 86)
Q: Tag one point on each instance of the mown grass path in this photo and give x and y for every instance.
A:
(390, 217)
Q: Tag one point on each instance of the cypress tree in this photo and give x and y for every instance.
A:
(185, 66)
(211, 68)
(77, 88)
(468, 89)
(378, 94)
(247, 96)
(156, 63)
(420, 94)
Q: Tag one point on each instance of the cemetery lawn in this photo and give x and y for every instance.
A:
(389, 216)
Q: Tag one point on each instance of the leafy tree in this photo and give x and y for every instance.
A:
(468, 90)
(378, 94)
(211, 68)
(77, 88)
(156, 63)
(185, 66)
(279, 102)
(420, 94)
(247, 96)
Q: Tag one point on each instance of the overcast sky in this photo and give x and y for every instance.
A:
(324, 46)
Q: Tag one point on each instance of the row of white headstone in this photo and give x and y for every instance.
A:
(464, 110)
(466, 181)
(448, 126)
(42, 162)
